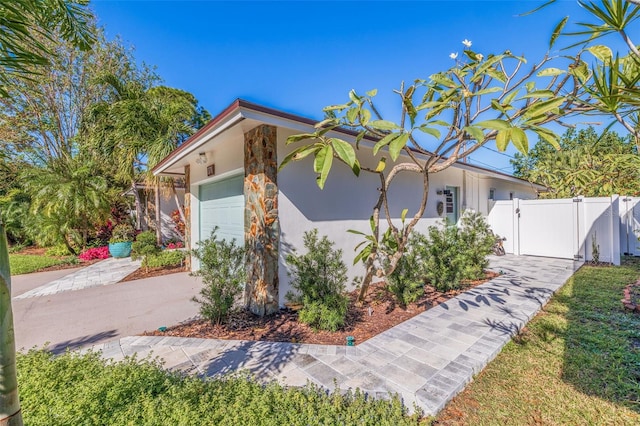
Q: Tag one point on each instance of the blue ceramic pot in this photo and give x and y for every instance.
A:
(120, 250)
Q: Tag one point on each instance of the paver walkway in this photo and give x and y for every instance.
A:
(427, 360)
(105, 272)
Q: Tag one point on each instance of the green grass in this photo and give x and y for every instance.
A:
(577, 362)
(26, 263)
(86, 390)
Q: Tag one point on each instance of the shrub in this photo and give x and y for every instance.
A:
(457, 254)
(477, 240)
(320, 277)
(164, 259)
(85, 389)
(407, 281)
(59, 250)
(144, 245)
(222, 269)
(94, 253)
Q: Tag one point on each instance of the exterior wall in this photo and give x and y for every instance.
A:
(228, 157)
(347, 202)
(167, 206)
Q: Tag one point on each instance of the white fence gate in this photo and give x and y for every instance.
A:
(564, 228)
(630, 225)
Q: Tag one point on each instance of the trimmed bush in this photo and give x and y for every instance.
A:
(74, 389)
(144, 245)
(222, 269)
(457, 254)
(320, 278)
(164, 259)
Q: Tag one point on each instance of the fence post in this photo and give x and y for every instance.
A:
(516, 226)
(615, 229)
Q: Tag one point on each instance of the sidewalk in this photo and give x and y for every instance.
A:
(105, 272)
(427, 360)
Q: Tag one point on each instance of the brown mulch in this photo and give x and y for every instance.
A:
(379, 313)
(152, 272)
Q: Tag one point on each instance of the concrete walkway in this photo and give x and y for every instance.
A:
(105, 272)
(427, 360)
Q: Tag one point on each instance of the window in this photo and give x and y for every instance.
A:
(492, 193)
(511, 195)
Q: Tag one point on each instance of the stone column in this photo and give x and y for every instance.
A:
(261, 224)
(187, 213)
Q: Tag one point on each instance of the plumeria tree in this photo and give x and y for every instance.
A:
(444, 118)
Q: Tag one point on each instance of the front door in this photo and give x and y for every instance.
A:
(451, 204)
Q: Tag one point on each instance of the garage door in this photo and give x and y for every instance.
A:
(222, 205)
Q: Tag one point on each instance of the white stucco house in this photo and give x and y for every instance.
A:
(230, 169)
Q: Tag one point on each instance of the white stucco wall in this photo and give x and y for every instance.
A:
(347, 202)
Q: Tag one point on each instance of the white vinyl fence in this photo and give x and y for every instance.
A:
(565, 228)
(630, 225)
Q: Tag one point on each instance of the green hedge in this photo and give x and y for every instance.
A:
(77, 389)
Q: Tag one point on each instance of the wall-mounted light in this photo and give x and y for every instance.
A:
(202, 158)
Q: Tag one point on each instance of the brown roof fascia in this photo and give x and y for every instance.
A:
(235, 106)
(241, 103)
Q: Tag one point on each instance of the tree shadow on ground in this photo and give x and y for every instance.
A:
(80, 342)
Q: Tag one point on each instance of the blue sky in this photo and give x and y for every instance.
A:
(302, 56)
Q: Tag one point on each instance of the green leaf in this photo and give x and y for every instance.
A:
(336, 107)
(550, 72)
(539, 108)
(384, 141)
(502, 139)
(344, 150)
(403, 215)
(352, 114)
(557, 30)
(365, 116)
(353, 231)
(322, 164)
(384, 125)
(519, 139)
(530, 85)
(354, 98)
(443, 80)
(324, 122)
(381, 164)
(510, 97)
(487, 90)
(372, 93)
(430, 130)
(296, 138)
(298, 154)
(603, 53)
(581, 71)
(549, 136)
(494, 124)
(475, 132)
(397, 144)
(539, 94)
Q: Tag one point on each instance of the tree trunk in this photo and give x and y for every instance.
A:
(136, 197)
(158, 213)
(9, 400)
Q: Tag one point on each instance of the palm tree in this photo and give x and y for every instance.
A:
(21, 22)
(140, 127)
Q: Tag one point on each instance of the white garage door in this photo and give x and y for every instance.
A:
(222, 205)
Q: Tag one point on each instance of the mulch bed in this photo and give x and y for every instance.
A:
(379, 313)
(153, 272)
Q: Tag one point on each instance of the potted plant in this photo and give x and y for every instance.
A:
(121, 240)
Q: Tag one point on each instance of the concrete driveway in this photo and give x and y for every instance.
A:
(85, 317)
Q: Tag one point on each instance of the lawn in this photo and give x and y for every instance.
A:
(577, 362)
(77, 389)
(27, 263)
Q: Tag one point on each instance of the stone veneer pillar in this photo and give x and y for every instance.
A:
(261, 224)
(187, 214)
